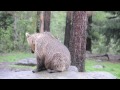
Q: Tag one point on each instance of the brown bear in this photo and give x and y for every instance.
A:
(50, 53)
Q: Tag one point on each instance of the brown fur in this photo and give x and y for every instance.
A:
(51, 54)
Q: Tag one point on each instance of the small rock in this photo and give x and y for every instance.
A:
(27, 62)
(73, 68)
(99, 60)
(98, 66)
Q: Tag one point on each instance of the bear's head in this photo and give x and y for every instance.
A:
(31, 41)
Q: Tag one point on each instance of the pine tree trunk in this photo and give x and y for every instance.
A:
(42, 21)
(89, 42)
(78, 39)
(38, 22)
(68, 28)
(47, 15)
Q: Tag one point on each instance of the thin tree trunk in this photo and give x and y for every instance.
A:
(45, 21)
(38, 22)
(42, 21)
(78, 39)
(68, 28)
(24, 37)
(89, 42)
(47, 16)
(15, 34)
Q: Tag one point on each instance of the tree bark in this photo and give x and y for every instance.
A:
(38, 22)
(89, 42)
(68, 28)
(15, 34)
(42, 21)
(78, 40)
(47, 16)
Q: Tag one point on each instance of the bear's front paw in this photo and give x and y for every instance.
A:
(35, 71)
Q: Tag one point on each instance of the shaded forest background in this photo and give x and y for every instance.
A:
(104, 32)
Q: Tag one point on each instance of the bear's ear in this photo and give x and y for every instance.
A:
(27, 34)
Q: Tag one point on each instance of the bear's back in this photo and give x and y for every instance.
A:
(51, 45)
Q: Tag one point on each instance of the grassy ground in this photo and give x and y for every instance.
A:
(113, 68)
(14, 56)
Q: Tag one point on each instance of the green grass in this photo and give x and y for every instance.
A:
(14, 56)
(113, 68)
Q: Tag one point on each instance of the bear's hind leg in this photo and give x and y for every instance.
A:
(40, 66)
